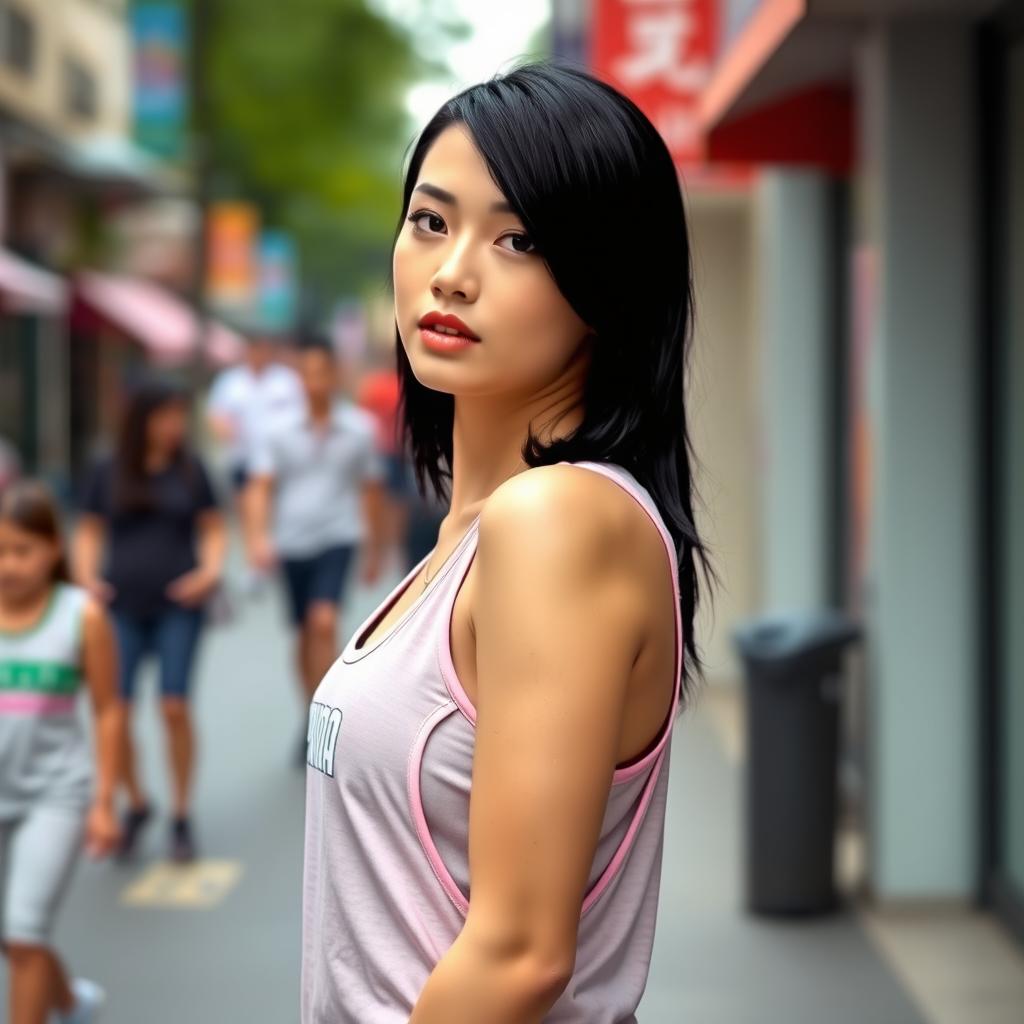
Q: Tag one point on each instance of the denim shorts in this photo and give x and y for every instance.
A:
(171, 635)
(318, 578)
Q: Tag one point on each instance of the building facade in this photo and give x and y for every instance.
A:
(892, 277)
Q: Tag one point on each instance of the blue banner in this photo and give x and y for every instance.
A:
(159, 32)
(278, 280)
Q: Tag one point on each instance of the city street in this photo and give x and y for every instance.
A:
(222, 943)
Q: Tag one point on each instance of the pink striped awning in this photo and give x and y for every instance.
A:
(161, 321)
(26, 288)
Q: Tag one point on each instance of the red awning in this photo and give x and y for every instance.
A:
(781, 91)
(165, 324)
(26, 288)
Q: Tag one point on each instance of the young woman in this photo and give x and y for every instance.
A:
(489, 756)
(153, 511)
(53, 636)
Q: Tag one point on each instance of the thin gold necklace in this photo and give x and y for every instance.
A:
(426, 572)
(426, 576)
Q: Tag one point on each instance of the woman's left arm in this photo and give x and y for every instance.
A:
(196, 585)
(212, 543)
(557, 621)
(99, 664)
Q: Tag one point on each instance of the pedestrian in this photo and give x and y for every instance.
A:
(316, 499)
(53, 638)
(151, 511)
(503, 718)
(379, 393)
(246, 397)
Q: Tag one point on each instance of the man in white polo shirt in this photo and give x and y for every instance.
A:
(315, 497)
(247, 397)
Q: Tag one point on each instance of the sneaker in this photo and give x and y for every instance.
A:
(183, 847)
(89, 1000)
(131, 825)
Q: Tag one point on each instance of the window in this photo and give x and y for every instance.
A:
(18, 39)
(81, 98)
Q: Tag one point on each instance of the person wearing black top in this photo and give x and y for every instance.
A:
(150, 510)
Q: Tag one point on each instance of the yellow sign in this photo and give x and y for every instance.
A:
(232, 231)
(197, 886)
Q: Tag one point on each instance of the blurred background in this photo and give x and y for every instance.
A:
(173, 172)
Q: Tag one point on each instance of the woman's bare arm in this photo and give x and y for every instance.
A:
(558, 628)
(87, 555)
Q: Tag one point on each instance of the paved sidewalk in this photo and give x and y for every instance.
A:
(228, 949)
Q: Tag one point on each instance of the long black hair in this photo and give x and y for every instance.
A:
(132, 485)
(599, 195)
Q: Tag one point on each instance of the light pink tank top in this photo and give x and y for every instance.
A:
(386, 882)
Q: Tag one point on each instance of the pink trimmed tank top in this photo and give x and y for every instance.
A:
(386, 882)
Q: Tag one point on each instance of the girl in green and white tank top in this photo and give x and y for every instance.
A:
(55, 640)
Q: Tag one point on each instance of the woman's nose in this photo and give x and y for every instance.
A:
(456, 278)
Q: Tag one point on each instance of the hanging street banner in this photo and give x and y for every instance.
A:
(278, 280)
(232, 259)
(659, 53)
(160, 42)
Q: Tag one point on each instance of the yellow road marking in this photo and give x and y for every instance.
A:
(196, 886)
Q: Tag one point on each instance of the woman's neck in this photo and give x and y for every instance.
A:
(488, 439)
(158, 459)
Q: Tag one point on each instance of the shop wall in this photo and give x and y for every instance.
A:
(722, 415)
(92, 33)
(796, 301)
(916, 214)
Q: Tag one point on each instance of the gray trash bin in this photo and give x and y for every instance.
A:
(792, 662)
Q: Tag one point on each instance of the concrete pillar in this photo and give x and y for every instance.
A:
(917, 201)
(796, 300)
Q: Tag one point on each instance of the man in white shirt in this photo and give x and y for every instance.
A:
(314, 499)
(247, 398)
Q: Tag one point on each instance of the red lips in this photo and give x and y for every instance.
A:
(447, 320)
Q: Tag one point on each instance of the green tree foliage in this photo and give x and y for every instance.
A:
(304, 112)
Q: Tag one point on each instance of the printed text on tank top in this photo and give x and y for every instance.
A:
(650, 694)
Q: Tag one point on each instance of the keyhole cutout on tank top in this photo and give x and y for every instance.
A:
(401, 605)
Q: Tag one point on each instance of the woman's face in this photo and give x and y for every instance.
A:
(167, 427)
(463, 253)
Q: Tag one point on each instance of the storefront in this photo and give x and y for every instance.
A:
(33, 367)
(121, 327)
(893, 287)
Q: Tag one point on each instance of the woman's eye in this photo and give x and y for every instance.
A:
(517, 243)
(428, 222)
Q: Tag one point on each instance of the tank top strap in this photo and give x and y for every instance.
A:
(625, 479)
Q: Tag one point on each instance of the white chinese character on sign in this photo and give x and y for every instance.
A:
(658, 45)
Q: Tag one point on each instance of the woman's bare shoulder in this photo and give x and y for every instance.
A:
(570, 506)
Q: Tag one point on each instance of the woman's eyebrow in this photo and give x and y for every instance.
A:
(444, 196)
(438, 193)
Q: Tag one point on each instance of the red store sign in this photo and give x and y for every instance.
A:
(659, 53)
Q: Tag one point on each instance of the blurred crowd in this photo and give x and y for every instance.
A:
(315, 484)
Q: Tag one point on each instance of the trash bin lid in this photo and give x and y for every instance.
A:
(787, 636)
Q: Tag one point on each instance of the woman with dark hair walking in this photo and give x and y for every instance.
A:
(489, 756)
(151, 510)
(55, 642)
